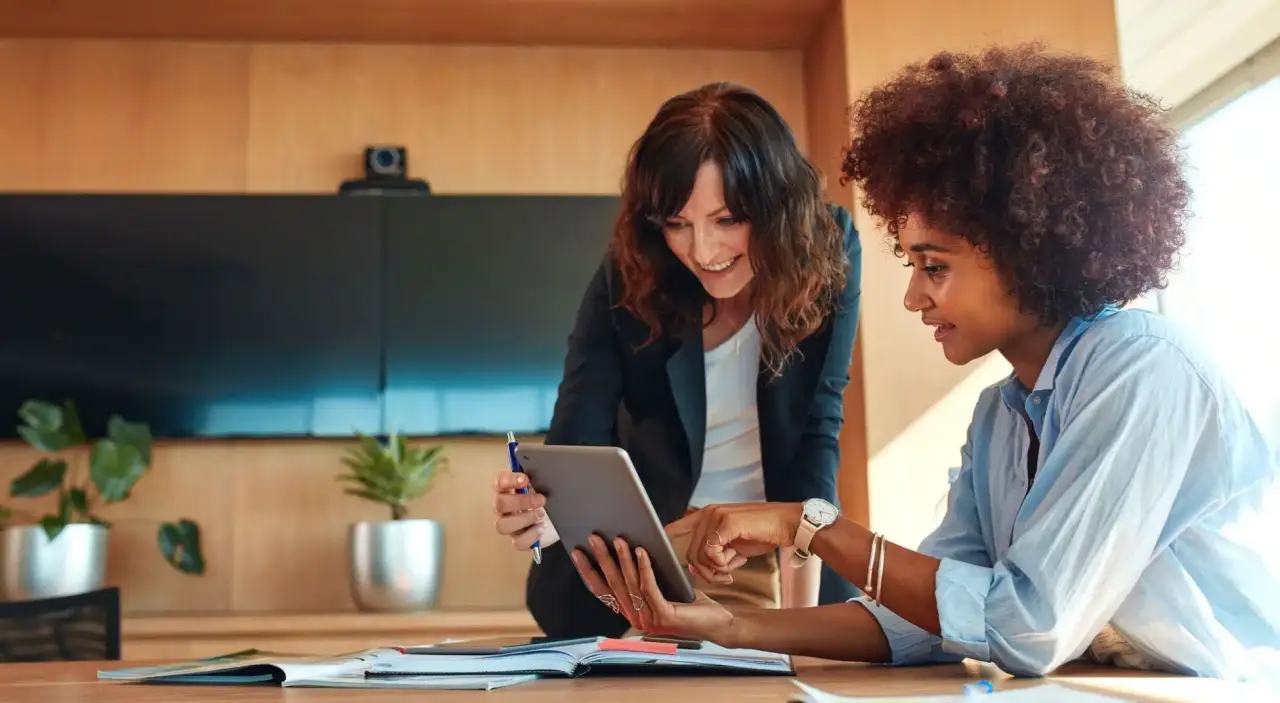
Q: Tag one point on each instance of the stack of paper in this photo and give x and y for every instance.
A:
(256, 667)
(457, 668)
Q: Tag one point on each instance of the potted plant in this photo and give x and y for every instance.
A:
(65, 551)
(394, 565)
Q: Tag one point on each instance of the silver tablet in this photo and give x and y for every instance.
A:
(596, 489)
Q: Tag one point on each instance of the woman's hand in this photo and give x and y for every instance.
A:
(521, 516)
(723, 537)
(628, 585)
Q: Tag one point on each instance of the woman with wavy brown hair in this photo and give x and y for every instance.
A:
(713, 344)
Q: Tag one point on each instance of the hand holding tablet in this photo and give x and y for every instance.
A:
(627, 582)
(595, 491)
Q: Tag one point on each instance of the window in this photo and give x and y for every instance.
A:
(1226, 281)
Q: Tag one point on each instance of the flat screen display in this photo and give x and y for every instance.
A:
(482, 293)
(294, 315)
(205, 316)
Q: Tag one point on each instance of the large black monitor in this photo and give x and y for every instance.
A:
(206, 316)
(481, 295)
(294, 315)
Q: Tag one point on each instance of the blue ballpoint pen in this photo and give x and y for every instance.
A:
(515, 466)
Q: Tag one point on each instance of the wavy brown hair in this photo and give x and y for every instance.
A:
(1072, 183)
(796, 250)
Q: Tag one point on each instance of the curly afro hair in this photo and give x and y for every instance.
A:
(1069, 181)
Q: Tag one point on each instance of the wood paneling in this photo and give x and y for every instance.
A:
(826, 103)
(115, 116)
(275, 521)
(479, 119)
(177, 117)
(733, 24)
(165, 116)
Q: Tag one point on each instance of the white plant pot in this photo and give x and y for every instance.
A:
(33, 566)
(395, 566)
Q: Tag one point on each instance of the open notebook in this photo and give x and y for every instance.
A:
(578, 657)
(253, 666)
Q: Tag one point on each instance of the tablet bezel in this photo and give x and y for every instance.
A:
(596, 489)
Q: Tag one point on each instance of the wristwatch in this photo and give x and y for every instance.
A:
(817, 514)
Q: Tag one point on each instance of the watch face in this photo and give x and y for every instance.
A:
(820, 512)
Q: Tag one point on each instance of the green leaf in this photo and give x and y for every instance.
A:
(71, 426)
(180, 544)
(45, 477)
(64, 506)
(115, 469)
(370, 495)
(393, 473)
(42, 426)
(77, 503)
(52, 525)
(133, 434)
(41, 415)
(44, 441)
(95, 520)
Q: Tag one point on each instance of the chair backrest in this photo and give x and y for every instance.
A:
(85, 626)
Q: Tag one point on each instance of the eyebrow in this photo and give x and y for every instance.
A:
(927, 247)
(724, 209)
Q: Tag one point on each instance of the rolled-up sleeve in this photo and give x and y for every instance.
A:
(1104, 494)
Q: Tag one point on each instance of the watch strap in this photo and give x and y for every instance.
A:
(804, 538)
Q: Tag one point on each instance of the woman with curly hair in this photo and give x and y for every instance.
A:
(1113, 494)
(713, 344)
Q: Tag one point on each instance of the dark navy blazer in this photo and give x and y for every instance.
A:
(651, 400)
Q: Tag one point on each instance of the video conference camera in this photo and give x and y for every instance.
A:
(386, 172)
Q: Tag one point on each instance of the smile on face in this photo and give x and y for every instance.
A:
(707, 238)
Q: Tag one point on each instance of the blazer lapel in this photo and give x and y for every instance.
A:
(686, 372)
(782, 411)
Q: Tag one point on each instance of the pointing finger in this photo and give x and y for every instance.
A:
(685, 525)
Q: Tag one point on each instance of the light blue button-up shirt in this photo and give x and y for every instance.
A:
(1155, 509)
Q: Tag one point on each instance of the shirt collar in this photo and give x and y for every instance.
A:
(1012, 390)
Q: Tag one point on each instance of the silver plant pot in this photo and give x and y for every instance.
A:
(395, 566)
(33, 566)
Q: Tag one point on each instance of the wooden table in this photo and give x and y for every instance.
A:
(77, 681)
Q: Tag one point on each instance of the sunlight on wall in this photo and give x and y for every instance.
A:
(910, 473)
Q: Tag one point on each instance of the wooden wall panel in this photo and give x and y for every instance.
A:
(700, 24)
(178, 117)
(826, 108)
(478, 119)
(275, 521)
(123, 116)
(181, 117)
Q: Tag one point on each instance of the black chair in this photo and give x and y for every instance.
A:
(85, 626)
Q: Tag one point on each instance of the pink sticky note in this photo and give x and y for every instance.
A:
(614, 645)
